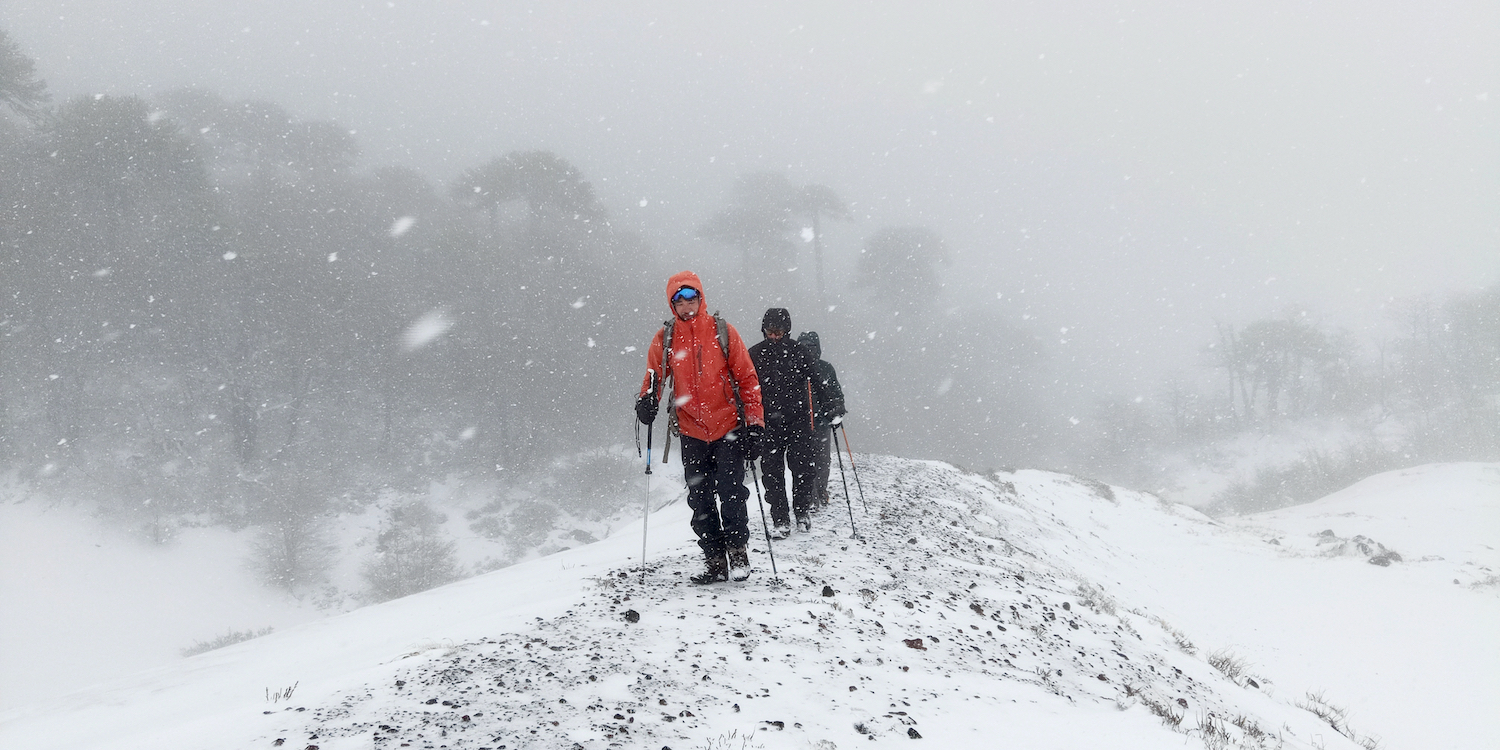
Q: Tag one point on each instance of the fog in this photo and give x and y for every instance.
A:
(367, 287)
(1130, 157)
(1112, 181)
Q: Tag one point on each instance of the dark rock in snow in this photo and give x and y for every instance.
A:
(915, 643)
(913, 733)
(827, 590)
(632, 616)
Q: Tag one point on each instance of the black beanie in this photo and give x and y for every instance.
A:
(809, 341)
(776, 319)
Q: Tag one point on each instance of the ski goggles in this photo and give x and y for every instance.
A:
(686, 293)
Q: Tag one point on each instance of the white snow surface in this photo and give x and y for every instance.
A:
(1053, 612)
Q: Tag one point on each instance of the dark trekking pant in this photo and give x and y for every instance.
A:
(823, 453)
(715, 476)
(792, 449)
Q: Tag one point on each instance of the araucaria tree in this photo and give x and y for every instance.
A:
(551, 188)
(20, 89)
(815, 202)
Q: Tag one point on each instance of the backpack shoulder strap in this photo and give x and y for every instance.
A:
(734, 383)
(723, 327)
(666, 347)
(666, 377)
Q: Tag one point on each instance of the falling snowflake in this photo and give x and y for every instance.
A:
(402, 225)
(426, 329)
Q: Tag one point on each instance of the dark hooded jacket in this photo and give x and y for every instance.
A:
(831, 404)
(789, 385)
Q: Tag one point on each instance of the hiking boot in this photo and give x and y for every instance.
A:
(716, 569)
(804, 523)
(739, 563)
(781, 530)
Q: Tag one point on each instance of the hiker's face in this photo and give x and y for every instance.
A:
(775, 335)
(686, 309)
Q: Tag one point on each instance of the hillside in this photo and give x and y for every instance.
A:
(1029, 609)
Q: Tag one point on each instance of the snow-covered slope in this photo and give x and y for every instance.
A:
(1028, 609)
(83, 601)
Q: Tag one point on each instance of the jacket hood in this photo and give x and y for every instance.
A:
(810, 342)
(682, 279)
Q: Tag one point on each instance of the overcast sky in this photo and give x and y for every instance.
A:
(1155, 165)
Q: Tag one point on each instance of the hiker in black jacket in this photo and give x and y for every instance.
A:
(827, 413)
(789, 387)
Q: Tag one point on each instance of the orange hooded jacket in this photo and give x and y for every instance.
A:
(700, 382)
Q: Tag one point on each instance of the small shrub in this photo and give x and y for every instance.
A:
(284, 694)
(732, 741)
(1162, 710)
(1178, 637)
(1214, 734)
(1094, 598)
(228, 639)
(1251, 729)
(1338, 718)
(1099, 488)
(1226, 662)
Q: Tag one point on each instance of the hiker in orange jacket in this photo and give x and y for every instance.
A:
(716, 397)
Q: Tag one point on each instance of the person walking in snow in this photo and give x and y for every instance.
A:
(716, 408)
(828, 413)
(789, 388)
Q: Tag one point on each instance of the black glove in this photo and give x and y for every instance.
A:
(750, 442)
(645, 408)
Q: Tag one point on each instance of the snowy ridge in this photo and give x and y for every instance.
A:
(1023, 609)
(939, 607)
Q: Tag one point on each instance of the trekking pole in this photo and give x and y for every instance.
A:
(847, 503)
(852, 467)
(646, 508)
(755, 476)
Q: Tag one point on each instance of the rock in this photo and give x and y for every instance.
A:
(915, 643)
(632, 616)
(913, 733)
(827, 590)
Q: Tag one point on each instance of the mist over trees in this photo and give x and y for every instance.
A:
(210, 309)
